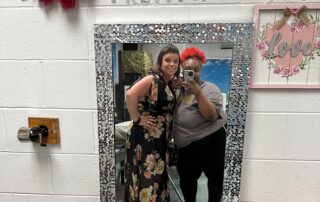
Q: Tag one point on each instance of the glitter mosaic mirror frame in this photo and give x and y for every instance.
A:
(240, 34)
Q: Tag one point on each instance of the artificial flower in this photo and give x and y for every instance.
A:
(66, 4)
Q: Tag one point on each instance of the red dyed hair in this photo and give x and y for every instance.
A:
(193, 52)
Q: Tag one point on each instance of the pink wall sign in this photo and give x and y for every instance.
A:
(287, 46)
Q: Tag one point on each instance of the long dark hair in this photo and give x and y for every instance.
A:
(170, 48)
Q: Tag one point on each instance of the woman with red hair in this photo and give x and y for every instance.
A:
(198, 130)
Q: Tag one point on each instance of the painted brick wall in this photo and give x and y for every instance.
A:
(47, 69)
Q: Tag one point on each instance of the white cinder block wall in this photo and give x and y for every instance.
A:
(47, 69)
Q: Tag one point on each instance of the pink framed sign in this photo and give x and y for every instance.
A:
(286, 46)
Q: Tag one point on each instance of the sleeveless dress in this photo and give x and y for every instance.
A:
(147, 154)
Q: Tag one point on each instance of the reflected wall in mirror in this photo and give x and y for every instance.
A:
(228, 51)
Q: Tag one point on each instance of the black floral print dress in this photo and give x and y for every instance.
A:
(147, 149)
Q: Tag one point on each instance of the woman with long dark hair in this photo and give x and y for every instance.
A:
(151, 104)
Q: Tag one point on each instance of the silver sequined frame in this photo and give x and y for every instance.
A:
(240, 34)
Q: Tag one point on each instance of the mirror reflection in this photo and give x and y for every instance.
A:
(198, 122)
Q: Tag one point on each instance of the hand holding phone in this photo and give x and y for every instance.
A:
(188, 75)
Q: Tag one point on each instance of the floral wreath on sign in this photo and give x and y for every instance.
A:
(296, 25)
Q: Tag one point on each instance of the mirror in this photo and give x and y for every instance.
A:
(133, 61)
(114, 76)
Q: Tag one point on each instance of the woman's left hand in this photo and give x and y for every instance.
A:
(176, 83)
(192, 87)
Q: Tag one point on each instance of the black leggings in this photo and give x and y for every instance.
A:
(205, 155)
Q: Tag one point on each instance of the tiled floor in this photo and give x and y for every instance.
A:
(202, 193)
(175, 191)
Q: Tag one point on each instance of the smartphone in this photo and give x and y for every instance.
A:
(188, 75)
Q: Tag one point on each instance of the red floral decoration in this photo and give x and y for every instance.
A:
(193, 52)
(66, 4)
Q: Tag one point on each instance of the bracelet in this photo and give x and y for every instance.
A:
(138, 121)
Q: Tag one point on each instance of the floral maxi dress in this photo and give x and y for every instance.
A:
(147, 154)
